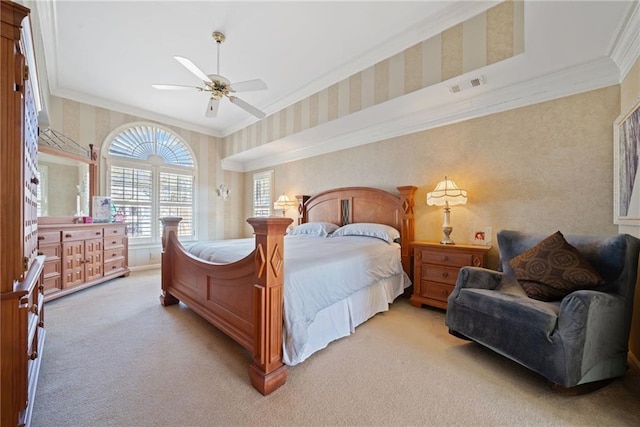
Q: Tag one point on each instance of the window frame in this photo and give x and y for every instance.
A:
(258, 176)
(156, 165)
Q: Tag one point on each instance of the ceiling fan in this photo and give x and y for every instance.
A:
(217, 85)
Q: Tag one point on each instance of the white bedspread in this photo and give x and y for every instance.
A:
(319, 271)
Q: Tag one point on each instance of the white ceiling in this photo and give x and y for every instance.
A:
(108, 53)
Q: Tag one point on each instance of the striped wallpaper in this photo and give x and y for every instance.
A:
(489, 37)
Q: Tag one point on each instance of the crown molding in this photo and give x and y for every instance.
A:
(403, 120)
(626, 49)
(453, 14)
(127, 109)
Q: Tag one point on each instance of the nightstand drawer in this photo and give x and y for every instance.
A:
(446, 258)
(439, 273)
(436, 268)
(436, 291)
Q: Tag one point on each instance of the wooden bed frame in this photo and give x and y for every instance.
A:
(244, 299)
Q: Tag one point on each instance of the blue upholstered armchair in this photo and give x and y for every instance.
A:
(578, 339)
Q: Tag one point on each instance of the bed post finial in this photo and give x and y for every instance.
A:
(408, 228)
(267, 372)
(302, 209)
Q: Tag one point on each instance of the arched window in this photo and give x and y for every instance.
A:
(150, 174)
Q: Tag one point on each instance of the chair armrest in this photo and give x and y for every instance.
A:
(594, 325)
(476, 277)
(598, 308)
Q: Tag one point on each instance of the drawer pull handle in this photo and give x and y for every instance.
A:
(40, 237)
(35, 180)
(113, 267)
(34, 355)
(445, 292)
(34, 309)
(445, 274)
(98, 233)
(67, 235)
(115, 231)
(40, 253)
(113, 243)
(444, 258)
(114, 254)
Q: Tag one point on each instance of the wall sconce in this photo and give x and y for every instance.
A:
(283, 203)
(223, 192)
(447, 194)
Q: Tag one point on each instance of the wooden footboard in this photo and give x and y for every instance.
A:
(244, 299)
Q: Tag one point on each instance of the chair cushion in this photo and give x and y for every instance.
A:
(553, 269)
(511, 311)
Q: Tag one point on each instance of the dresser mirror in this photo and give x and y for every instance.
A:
(67, 177)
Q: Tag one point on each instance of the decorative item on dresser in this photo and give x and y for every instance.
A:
(81, 255)
(436, 270)
(21, 311)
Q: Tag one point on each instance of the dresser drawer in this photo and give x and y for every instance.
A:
(111, 254)
(68, 235)
(45, 237)
(52, 284)
(436, 291)
(113, 242)
(446, 258)
(439, 273)
(113, 266)
(51, 268)
(52, 252)
(119, 230)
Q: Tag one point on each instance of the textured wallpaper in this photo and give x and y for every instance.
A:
(544, 168)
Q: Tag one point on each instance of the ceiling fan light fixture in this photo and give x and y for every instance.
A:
(217, 85)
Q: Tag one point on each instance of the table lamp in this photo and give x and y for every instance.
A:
(447, 194)
(284, 203)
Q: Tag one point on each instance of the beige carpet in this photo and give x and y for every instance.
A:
(115, 357)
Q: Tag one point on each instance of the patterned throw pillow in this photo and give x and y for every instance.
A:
(553, 268)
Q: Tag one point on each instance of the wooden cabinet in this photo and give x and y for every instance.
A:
(81, 255)
(21, 292)
(436, 268)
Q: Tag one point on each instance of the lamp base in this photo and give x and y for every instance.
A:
(447, 240)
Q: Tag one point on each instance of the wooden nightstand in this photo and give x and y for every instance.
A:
(436, 267)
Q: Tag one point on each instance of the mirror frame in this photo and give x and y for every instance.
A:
(92, 161)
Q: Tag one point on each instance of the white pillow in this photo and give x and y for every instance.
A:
(381, 231)
(322, 229)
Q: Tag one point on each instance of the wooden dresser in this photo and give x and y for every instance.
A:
(81, 255)
(436, 268)
(22, 303)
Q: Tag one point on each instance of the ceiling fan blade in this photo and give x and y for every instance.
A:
(248, 85)
(174, 87)
(212, 108)
(247, 107)
(192, 67)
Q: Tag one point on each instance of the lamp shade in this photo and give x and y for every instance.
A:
(447, 193)
(283, 202)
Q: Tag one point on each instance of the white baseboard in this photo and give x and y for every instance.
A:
(145, 267)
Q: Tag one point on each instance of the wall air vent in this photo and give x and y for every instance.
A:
(466, 84)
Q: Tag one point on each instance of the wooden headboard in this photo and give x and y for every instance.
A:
(364, 204)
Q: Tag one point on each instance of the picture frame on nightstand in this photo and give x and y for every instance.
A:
(481, 236)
